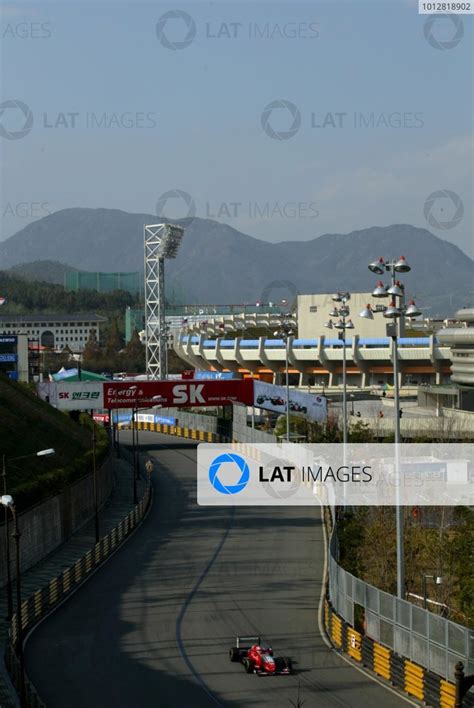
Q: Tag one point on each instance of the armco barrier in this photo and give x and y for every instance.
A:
(406, 675)
(35, 607)
(180, 431)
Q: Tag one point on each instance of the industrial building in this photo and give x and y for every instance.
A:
(54, 331)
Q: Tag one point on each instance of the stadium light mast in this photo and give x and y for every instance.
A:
(161, 241)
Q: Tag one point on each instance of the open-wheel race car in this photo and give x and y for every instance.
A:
(257, 658)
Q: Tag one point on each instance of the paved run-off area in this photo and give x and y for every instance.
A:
(153, 627)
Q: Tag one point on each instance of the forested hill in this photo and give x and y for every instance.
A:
(24, 297)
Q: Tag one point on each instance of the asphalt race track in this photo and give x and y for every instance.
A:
(153, 627)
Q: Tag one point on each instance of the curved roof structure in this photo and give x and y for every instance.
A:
(461, 341)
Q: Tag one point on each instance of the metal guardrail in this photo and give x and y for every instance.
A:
(424, 638)
(43, 601)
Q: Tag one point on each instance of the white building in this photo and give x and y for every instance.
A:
(54, 331)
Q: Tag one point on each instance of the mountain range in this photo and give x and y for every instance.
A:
(218, 264)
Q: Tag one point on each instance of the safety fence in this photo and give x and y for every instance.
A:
(425, 638)
(407, 675)
(43, 601)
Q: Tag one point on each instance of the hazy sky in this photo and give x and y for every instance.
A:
(286, 121)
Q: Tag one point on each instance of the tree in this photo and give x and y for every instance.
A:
(134, 354)
(114, 341)
(92, 351)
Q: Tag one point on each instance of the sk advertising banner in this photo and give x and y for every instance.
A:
(83, 395)
(172, 394)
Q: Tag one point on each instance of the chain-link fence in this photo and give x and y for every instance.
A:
(417, 634)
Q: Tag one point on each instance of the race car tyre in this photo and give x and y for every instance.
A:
(247, 666)
(234, 654)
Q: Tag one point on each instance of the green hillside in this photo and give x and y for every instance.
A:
(27, 425)
(45, 271)
(25, 296)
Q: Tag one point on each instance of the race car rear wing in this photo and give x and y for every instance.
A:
(246, 642)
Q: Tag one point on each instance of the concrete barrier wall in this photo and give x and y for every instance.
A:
(185, 419)
(241, 432)
(48, 524)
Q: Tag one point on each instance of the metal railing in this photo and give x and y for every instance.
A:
(419, 635)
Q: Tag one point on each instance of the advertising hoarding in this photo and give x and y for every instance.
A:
(145, 394)
(81, 395)
(273, 398)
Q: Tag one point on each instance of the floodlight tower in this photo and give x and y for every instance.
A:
(160, 241)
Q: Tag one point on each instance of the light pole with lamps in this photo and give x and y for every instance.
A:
(394, 311)
(285, 331)
(41, 453)
(8, 503)
(134, 468)
(342, 325)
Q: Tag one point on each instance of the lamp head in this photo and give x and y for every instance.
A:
(329, 324)
(7, 500)
(396, 290)
(46, 453)
(367, 313)
(349, 324)
(412, 310)
(380, 290)
(392, 311)
(334, 312)
(377, 267)
(401, 266)
(336, 297)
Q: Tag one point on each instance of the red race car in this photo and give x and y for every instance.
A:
(257, 658)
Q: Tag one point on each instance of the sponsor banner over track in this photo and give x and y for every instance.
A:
(145, 394)
(273, 398)
(190, 393)
(266, 474)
